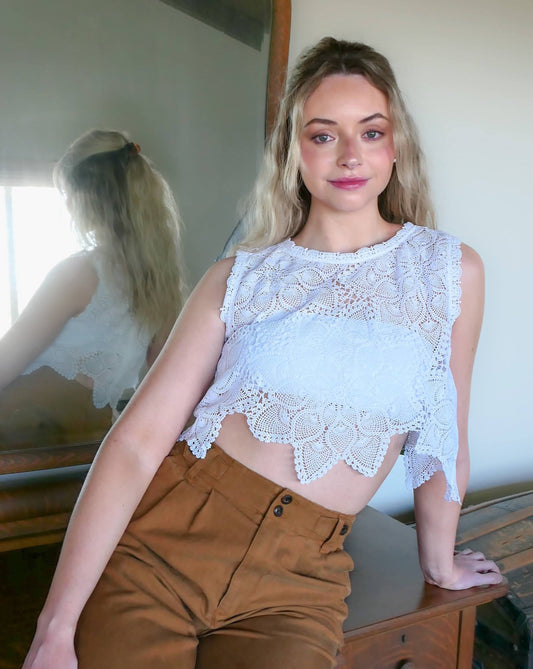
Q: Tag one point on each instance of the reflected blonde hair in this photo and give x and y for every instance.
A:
(280, 204)
(122, 205)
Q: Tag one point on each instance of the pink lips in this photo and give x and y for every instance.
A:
(349, 183)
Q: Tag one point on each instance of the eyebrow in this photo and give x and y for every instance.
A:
(327, 121)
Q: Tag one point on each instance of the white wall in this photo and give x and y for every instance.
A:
(465, 67)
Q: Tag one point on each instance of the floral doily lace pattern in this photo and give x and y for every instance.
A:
(336, 353)
(103, 343)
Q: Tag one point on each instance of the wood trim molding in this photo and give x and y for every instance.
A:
(35, 459)
(279, 54)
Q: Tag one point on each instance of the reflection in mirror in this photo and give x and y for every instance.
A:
(103, 314)
(188, 89)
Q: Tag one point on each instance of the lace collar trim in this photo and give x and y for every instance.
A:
(362, 254)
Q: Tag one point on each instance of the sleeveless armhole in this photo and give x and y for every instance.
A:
(227, 309)
(57, 356)
(103, 342)
(434, 446)
(98, 264)
(454, 278)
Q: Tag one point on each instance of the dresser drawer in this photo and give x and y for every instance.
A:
(431, 643)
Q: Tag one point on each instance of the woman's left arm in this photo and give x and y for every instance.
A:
(436, 519)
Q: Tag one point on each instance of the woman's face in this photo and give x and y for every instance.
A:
(346, 145)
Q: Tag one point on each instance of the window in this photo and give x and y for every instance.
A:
(35, 234)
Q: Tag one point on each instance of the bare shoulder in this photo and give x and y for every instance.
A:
(214, 281)
(472, 270)
(220, 271)
(468, 324)
(74, 280)
(79, 265)
(201, 311)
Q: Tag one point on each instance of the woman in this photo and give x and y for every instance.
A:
(101, 315)
(334, 337)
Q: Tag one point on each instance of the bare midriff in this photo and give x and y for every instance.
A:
(341, 489)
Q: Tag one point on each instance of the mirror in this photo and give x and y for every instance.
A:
(189, 82)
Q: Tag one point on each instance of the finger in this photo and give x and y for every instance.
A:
(488, 565)
(484, 565)
(477, 578)
(474, 555)
(466, 551)
(490, 578)
(477, 565)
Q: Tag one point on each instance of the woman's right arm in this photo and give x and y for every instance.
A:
(126, 463)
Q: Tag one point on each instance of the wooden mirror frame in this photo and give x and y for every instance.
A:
(41, 484)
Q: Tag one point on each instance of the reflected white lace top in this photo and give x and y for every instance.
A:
(104, 342)
(334, 353)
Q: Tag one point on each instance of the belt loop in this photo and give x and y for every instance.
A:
(213, 466)
(336, 539)
(194, 469)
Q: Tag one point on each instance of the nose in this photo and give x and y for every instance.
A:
(350, 155)
(351, 162)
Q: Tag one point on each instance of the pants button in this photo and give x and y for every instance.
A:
(278, 511)
(286, 499)
(344, 529)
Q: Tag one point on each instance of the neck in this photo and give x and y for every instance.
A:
(341, 232)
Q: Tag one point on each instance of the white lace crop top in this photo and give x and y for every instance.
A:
(103, 342)
(334, 353)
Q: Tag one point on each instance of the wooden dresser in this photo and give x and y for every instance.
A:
(49, 434)
(395, 619)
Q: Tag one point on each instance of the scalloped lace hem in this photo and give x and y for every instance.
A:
(310, 463)
(433, 465)
(103, 393)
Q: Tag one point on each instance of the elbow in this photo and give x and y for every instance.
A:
(463, 460)
(126, 448)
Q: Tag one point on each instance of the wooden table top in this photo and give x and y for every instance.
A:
(387, 585)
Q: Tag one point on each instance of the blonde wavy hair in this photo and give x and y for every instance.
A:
(280, 204)
(121, 204)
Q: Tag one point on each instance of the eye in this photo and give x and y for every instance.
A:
(372, 135)
(321, 138)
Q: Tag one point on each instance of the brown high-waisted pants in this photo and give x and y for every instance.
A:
(220, 568)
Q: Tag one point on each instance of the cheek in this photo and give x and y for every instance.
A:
(382, 158)
(314, 159)
(307, 159)
(389, 148)
(384, 151)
